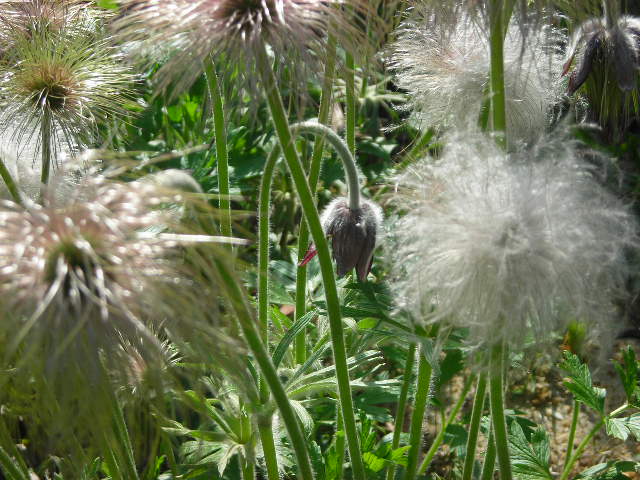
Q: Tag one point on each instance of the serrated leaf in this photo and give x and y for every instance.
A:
(580, 383)
(608, 471)
(616, 427)
(529, 463)
(296, 328)
(628, 372)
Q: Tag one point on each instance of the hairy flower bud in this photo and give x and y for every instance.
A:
(353, 234)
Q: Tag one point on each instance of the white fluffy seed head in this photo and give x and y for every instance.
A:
(499, 243)
(445, 70)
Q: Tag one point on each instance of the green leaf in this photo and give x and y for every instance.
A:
(609, 471)
(296, 328)
(529, 463)
(616, 427)
(580, 383)
(10, 467)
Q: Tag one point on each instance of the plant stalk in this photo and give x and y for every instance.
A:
(350, 85)
(496, 400)
(305, 196)
(10, 183)
(269, 450)
(238, 300)
(489, 459)
(580, 448)
(419, 408)
(402, 405)
(440, 437)
(498, 98)
(45, 146)
(474, 426)
(572, 431)
(314, 175)
(222, 154)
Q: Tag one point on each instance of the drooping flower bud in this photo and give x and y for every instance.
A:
(353, 234)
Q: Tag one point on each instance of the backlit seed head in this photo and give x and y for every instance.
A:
(445, 69)
(504, 244)
(193, 30)
(63, 77)
(353, 234)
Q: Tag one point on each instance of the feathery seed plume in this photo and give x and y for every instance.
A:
(445, 70)
(502, 242)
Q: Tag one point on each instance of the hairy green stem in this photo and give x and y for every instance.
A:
(402, 405)
(496, 400)
(305, 196)
(474, 426)
(247, 469)
(10, 183)
(45, 146)
(339, 445)
(572, 430)
(314, 175)
(417, 417)
(440, 437)
(498, 99)
(579, 449)
(238, 300)
(269, 450)
(350, 85)
(489, 459)
(222, 155)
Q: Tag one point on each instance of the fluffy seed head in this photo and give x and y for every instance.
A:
(65, 79)
(193, 30)
(500, 243)
(446, 73)
(353, 234)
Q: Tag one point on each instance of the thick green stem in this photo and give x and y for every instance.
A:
(440, 437)
(474, 426)
(314, 175)
(238, 300)
(269, 449)
(10, 183)
(350, 85)
(248, 469)
(222, 155)
(572, 430)
(419, 408)
(45, 146)
(340, 439)
(402, 405)
(489, 459)
(578, 452)
(496, 43)
(496, 399)
(305, 196)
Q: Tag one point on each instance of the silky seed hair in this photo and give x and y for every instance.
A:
(61, 73)
(231, 31)
(502, 243)
(445, 70)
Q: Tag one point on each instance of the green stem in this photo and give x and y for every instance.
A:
(305, 196)
(578, 452)
(314, 175)
(496, 401)
(269, 450)
(10, 183)
(350, 85)
(402, 405)
(340, 444)
(238, 300)
(45, 145)
(248, 470)
(496, 43)
(474, 426)
(572, 431)
(489, 459)
(419, 408)
(440, 437)
(222, 155)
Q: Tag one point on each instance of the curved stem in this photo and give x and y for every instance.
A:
(402, 405)
(440, 437)
(269, 450)
(496, 43)
(314, 175)
(474, 426)
(222, 155)
(496, 401)
(576, 455)
(305, 196)
(239, 304)
(572, 431)
(10, 183)
(419, 408)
